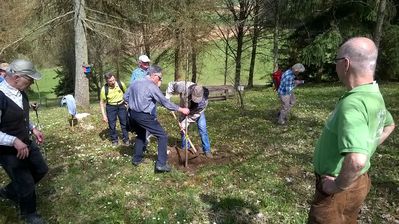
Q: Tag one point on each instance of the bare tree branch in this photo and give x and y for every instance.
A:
(34, 30)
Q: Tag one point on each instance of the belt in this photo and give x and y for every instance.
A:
(116, 104)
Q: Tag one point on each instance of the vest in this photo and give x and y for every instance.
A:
(14, 121)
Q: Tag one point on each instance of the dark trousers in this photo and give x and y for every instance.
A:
(146, 122)
(342, 207)
(114, 112)
(24, 174)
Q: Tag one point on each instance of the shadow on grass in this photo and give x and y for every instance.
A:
(230, 210)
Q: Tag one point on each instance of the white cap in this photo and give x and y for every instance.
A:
(144, 58)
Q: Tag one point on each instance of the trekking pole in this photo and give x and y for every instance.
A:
(35, 107)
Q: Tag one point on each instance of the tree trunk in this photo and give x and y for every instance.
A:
(275, 36)
(177, 58)
(194, 65)
(81, 56)
(380, 22)
(254, 45)
(226, 59)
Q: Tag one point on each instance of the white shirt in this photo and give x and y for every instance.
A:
(16, 96)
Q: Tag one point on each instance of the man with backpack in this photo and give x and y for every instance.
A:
(111, 98)
(286, 91)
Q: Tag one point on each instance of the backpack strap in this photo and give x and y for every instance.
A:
(106, 88)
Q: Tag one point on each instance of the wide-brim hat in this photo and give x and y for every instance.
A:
(25, 67)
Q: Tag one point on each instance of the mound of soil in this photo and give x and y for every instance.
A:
(177, 158)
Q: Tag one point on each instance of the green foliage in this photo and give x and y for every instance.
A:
(322, 49)
(389, 55)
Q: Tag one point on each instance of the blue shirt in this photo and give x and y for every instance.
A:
(138, 74)
(143, 94)
(287, 83)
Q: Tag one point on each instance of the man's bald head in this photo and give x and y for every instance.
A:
(362, 53)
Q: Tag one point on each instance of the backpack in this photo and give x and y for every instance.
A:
(276, 77)
(106, 88)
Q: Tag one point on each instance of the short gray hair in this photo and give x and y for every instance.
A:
(154, 69)
(298, 67)
(362, 52)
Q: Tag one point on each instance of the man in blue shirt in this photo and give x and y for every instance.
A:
(286, 91)
(142, 95)
(141, 71)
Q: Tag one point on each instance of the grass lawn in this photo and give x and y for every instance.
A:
(261, 173)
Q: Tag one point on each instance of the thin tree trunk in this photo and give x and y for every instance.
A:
(226, 59)
(275, 36)
(81, 56)
(240, 40)
(380, 22)
(254, 45)
(194, 65)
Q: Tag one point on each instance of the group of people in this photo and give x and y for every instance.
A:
(135, 107)
(359, 123)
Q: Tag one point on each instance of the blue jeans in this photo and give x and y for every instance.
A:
(114, 112)
(24, 175)
(146, 122)
(203, 132)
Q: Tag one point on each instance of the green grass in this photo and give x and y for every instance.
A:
(267, 179)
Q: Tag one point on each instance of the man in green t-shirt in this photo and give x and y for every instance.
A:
(359, 123)
(111, 98)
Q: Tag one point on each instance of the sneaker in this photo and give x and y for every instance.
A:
(33, 218)
(208, 155)
(126, 143)
(114, 144)
(162, 169)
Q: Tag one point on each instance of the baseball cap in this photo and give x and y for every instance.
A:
(144, 58)
(197, 94)
(4, 66)
(25, 67)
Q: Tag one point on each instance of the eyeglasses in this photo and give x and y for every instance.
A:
(337, 59)
(160, 78)
(30, 80)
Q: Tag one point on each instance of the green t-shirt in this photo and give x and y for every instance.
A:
(115, 95)
(355, 125)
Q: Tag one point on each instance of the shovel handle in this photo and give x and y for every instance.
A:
(184, 132)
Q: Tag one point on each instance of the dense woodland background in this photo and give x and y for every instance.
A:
(179, 34)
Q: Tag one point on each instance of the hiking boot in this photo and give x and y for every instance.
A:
(137, 163)
(162, 169)
(208, 155)
(4, 195)
(126, 143)
(33, 218)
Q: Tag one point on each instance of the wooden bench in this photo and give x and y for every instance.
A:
(222, 92)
